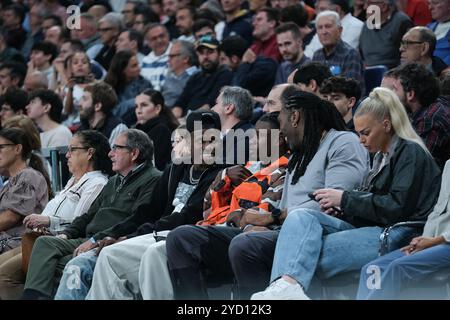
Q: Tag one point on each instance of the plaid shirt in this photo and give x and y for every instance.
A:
(432, 124)
(347, 58)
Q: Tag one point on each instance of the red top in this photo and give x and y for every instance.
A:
(268, 48)
(419, 12)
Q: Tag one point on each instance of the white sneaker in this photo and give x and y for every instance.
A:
(281, 290)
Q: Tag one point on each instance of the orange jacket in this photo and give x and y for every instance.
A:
(262, 190)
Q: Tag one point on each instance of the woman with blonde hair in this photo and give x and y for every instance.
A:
(343, 236)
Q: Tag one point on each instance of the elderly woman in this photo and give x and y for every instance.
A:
(90, 166)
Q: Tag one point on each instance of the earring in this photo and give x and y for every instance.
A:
(294, 125)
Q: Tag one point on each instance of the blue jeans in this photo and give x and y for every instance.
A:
(312, 243)
(77, 277)
(389, 275)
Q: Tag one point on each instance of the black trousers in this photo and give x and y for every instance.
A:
(202, 257)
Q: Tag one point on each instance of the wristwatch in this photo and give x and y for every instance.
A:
(276, 213)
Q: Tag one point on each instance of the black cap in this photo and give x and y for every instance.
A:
(208, 119)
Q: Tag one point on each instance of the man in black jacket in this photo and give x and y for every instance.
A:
(178, 199)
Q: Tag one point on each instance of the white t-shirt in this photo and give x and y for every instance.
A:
(57, 137)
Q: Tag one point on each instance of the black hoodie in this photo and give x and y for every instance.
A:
(158, 215)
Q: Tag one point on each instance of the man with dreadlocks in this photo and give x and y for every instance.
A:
(324, 155)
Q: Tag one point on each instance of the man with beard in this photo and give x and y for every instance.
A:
(96, 105)
(203, 88)
(418, 90)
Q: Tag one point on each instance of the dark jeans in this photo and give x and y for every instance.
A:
(199, 257)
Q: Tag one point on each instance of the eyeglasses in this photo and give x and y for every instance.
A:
(174, 55)
(126, 11)
(118, 146)
(139, 22)
(3, 146)
(71, 149)
(406, 43)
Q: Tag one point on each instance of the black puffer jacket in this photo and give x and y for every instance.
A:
(406, 189)
(158, 214)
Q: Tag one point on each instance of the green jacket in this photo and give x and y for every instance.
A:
(118, 200)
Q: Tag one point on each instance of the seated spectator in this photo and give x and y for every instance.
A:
(96, 107)
(109, 28)
(265, 40)
(12, 19)
(256, 75)
(90, 167)
(41, 58)
(177, 200)
(234, 105)
(124, 76)
(183, 63)
(184, 20)
(417, 10)
(143, 18)
(351, 26)
(310, 77)
(158, 121)
(221, 246)
(34, 81)
(154, 65)
(77, 75)
(273, 101)
(344, 93)
(418, 90)
(237, 20)
(202, 88)
(290, 45)
(12, 103)
(424, 255)
(418, 45)
(358, 10)
(297, 14)
(8, 53)
(203, 27)
(339, 56)
(87, 33)
(44, 109)
(28, 189)
(379, 44)
(440, 12)
(135, 179)
(130, 39)
(402, 185)
(12, 75)
(229, 193)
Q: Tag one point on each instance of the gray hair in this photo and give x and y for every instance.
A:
(187, 49)
(329, 13)
(114, 19)
(138, 139)
(241, 99)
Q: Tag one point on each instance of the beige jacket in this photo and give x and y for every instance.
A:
(438, 222)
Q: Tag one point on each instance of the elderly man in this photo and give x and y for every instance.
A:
(338, 55)
(379, 43)
(182, 65)
(132, 156)
(418, 45)
(109, 28)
